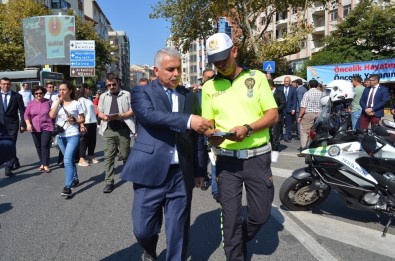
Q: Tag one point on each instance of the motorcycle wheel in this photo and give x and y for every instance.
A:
(296, 195)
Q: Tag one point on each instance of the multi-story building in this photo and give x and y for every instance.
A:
(323, 19)
(140, 71)
(121, 57)
(94, 13)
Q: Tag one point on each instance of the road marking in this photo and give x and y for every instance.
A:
(302, 236)
(289, 154)
(347, 233)
(284, 173)
(358, 236)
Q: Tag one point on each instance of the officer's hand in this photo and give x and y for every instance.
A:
(240, 133)
(214, 140)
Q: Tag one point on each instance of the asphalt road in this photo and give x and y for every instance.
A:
(38, 224)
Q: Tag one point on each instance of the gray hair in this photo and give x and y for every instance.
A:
(169, 51)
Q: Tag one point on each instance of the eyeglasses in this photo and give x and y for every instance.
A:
(111, 84)
(38, 93)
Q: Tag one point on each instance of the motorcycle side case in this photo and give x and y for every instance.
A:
(301, 174)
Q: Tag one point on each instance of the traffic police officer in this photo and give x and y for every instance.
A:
(240, 103)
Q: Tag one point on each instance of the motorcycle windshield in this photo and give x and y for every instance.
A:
(322, 123)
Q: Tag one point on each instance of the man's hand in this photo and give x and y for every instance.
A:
(292, 112)
(200, 124)
(111, 117)
(368, 110)
(21, 130)
(199, 182)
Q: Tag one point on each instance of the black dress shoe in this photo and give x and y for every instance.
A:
(108, 188)
(16, 165)
(149, 257)
(287, 141)
(8, 173)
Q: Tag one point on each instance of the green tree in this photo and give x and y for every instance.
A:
(191, 20)
(367, 33)
(12, 55)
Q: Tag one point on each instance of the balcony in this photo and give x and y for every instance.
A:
(317, 8)
(282, 21)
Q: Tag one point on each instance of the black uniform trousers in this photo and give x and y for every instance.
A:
(256, 175)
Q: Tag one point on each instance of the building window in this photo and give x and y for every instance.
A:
(281, 16)
(346, 10)
(303, 44)
(263, 20)
(333, 15)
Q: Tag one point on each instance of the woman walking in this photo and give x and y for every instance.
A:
(68, 113)
(40, 125)
(88, 130)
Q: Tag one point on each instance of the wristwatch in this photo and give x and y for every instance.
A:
(249, 130)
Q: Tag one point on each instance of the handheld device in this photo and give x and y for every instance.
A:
(223, 134)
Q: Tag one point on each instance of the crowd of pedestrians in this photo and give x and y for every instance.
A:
(166, 134)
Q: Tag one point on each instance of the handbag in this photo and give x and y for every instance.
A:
(58, 129)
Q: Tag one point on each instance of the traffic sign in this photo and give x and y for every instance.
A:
(269, 66)
(82, 45)
(82, 58)
(77, 55)
(84, 63)
(81, 71)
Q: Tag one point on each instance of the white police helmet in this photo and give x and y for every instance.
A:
(341, 91)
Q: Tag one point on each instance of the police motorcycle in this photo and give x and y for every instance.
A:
(358, 165)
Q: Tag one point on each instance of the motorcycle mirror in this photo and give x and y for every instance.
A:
(381, 131)
(368, 144)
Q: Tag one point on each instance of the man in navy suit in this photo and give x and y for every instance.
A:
(7, 146)
(372, 102)
(11, 109)
(289, 111)
(164, 162)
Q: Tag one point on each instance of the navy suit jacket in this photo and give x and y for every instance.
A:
(380, 99)
(291, 98)
(7, 146)
(10, 117)
(159, 130)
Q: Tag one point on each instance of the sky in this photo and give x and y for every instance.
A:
(146, 35)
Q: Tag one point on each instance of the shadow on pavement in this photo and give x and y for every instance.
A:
(4, 207)
(205, 235)
(130, 254)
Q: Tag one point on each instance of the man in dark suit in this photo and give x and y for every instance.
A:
(276, 129)
(289, 112)
(164, 161)
(11, 103)
(7, 146)
(372, 102)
